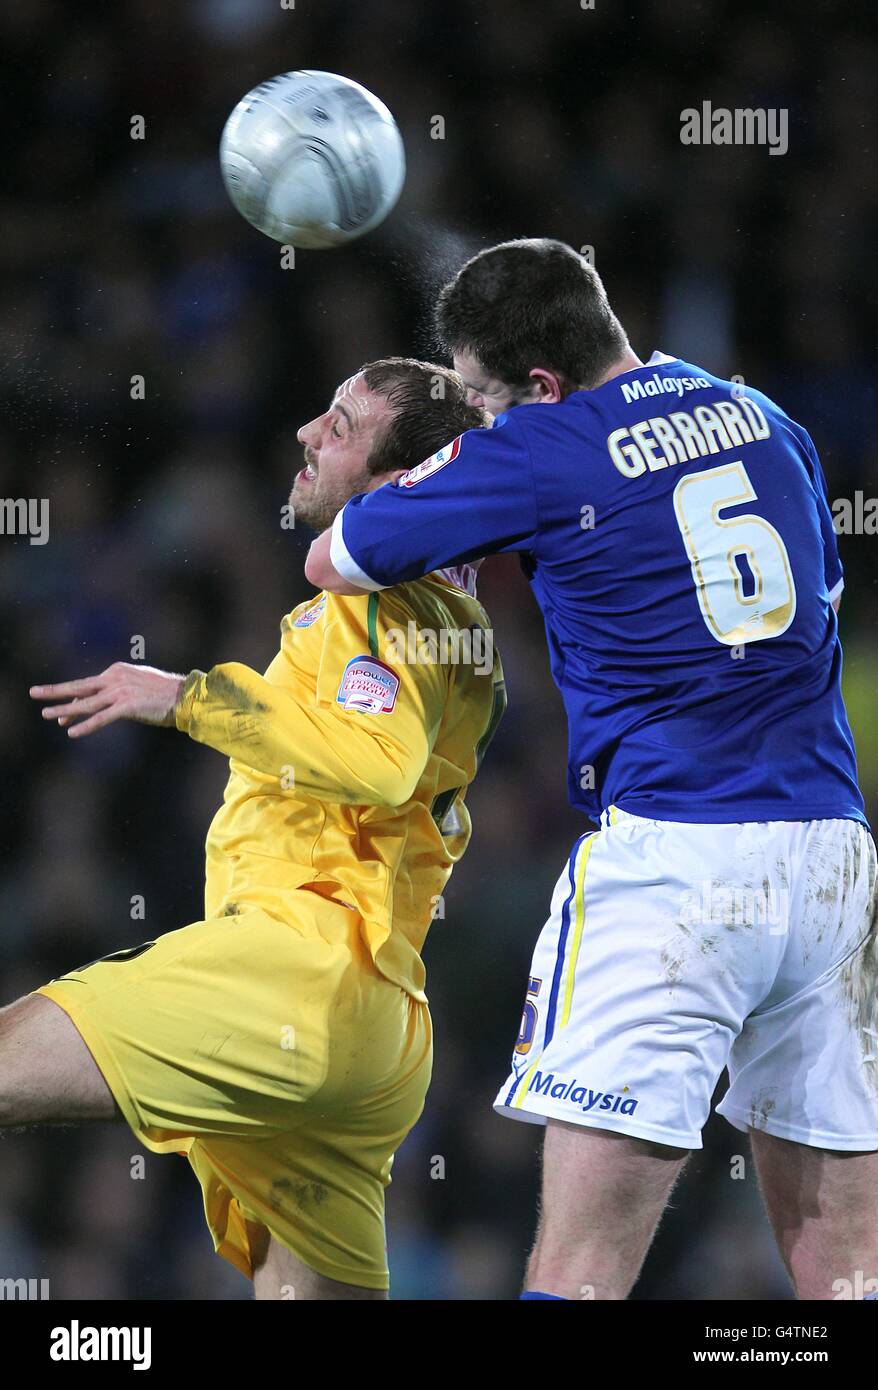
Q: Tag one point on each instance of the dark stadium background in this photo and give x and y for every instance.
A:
(121, 257)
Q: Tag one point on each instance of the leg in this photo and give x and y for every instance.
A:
(822, 1209)
(279, 1274)
(603, 1195)
(47, 1074)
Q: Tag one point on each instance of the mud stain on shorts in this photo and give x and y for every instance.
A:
(858, 979)
(672, 964)
(761, 1108)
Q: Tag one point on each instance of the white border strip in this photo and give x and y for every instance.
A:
(344, 561)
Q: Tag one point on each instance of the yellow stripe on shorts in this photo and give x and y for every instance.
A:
(578, 924)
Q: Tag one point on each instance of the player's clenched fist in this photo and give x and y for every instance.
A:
(123, 691)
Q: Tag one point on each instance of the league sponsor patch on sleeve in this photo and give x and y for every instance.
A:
(431, 465)
(310, 615)
(368, 686)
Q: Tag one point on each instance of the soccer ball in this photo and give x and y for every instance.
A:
(312, 159)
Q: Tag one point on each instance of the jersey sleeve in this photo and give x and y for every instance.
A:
(363, 737)
(473, 498)
(832, 567)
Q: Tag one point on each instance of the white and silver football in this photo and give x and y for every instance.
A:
(312, 159)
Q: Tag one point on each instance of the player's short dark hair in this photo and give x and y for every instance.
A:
(532, 303)
(429, 409)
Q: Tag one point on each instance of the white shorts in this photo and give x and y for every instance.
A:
(673, 951)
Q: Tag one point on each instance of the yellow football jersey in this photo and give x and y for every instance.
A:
(350, 759)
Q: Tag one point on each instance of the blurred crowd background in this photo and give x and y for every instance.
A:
(122, 257)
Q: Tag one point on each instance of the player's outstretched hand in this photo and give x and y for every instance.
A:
(123, 691)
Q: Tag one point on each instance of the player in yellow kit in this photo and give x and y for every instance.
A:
(284, 1043)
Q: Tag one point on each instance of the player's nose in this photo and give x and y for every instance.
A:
(309, 434)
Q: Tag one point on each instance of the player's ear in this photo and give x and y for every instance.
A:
(379, 479)
(546, 386)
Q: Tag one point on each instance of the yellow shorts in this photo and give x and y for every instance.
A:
(276, 1057)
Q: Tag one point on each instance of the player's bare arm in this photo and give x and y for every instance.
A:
(321, 572)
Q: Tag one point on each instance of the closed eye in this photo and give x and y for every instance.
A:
(340, 414)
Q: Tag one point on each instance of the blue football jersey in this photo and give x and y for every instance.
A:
(678, 539)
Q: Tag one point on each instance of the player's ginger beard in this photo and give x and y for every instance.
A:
(317, 504)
